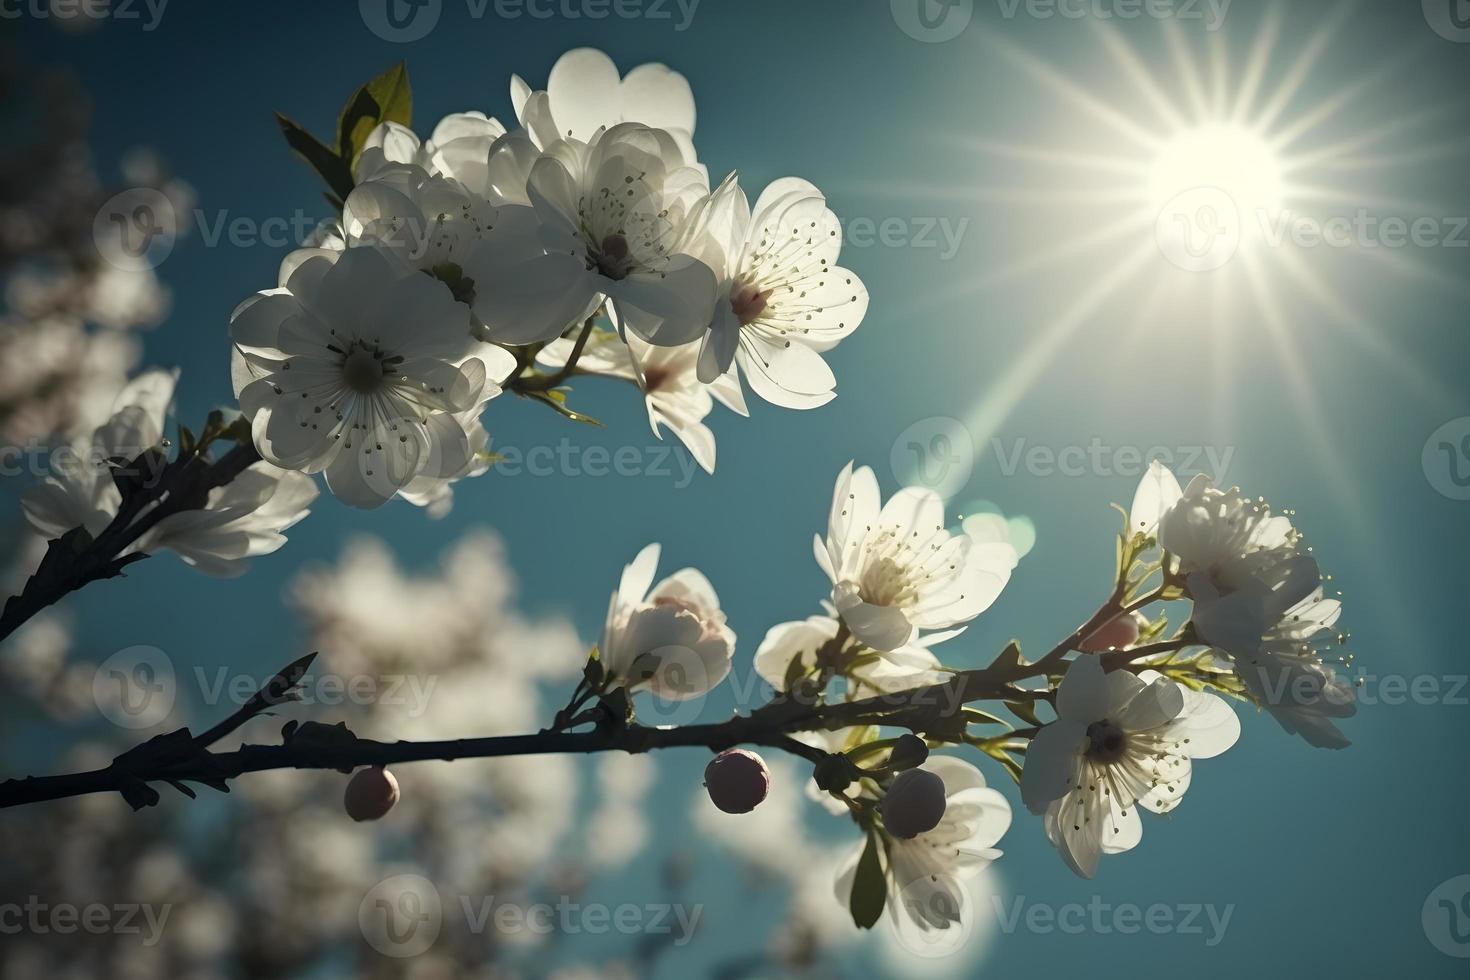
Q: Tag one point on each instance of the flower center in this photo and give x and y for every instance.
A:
(362, 371)
(612, 257)
(748, 303)
(885, 582)
(1108, 743)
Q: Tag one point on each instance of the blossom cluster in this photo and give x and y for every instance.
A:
(1133, 709)
(484, 251)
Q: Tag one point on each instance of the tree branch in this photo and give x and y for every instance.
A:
(75, 559)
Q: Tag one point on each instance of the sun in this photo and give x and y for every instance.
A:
(1221, 156)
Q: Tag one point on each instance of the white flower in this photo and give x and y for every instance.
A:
(584, 94)
(1223, 533)
(925, 874)
(1257, 598)
(1284, 672)
(1157, 494)
(459, 148)
(244, 518)
(1119, 742)
(897, 570)
(913, 665)
(240, 520)
(615, 224)
(82, 492)
(783, 298)
(671, 640)
(364, 370)
(672, 393)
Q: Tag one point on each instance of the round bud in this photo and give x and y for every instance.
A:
(1118, 633)
(914, 803)
(371, 793)
(909, 752)
(737, 780)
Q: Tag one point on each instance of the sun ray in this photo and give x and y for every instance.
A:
(1071, 91)
(1330, 457)
(1306, 60)
(1330, 107)
(1122, 166)
(1365, 334)
(1106, 235)
(1184, 67)
(1255, 69)
(1143, 81)
(1001, 399)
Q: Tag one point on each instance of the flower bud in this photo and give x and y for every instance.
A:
(909, 752)
(914, 803)
(370, 794)
(737, 780)
(1118, 633)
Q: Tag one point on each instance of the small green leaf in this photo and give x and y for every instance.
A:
(869, 888)
(386, 98)
(1024, 710)
(328, 165)
(593, 671)
(557, 399)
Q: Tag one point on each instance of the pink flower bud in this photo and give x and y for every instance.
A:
(914, 803)
(1118, 633)
(737, 780)
(371, 793)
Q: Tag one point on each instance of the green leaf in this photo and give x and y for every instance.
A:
(557, 399)
(593, 672)
(328, 165)
(869, 888)
(1024, 710)
(387, 98)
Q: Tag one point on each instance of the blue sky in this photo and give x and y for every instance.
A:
(1323, 400)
